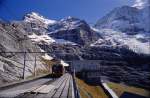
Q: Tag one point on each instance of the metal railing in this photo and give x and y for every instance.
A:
(76, 89)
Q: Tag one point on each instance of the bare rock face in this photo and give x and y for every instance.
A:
(74, 30)
(14, 39)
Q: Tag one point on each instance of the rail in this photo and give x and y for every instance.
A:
(42, 87)
(76, 90)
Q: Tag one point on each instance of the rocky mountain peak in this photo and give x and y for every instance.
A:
(35, 17)
(126, 19)
(71, 22)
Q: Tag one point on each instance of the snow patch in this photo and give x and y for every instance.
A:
(64, 63)
(94, 29)
(36, 17)
(140, 4)
(62, 41)
(47, 57)
(40, 39)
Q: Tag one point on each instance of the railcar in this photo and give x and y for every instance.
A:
(58, 70)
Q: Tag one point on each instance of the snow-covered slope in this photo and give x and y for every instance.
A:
(127, 27)
(34, 22)
(47, 40)
(138, 43)
(67, 23)
(41, 39)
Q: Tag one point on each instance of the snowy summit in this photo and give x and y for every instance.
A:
(36, 17)
(140, 4)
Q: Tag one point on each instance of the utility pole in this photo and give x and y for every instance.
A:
(35, 66)
(25, 54)
(35, 62)
(24, 67)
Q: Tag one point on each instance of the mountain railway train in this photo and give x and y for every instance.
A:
(58, 70)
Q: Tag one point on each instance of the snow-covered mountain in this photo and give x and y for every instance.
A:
(38, 28)
(126, 26)
(74, 30)
(69, 30)
(67, 23)
(35, 17)
(116, 29)
(127, 19)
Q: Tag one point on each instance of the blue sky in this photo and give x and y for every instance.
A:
(89, 10)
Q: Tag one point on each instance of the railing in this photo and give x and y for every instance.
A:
(24, 63)
(76, 90)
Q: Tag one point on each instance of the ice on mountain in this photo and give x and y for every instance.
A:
(36, 17)
(47, 57)
(115, 39)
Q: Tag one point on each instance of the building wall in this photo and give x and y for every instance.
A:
(79, 65)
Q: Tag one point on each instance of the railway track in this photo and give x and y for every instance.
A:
(42, 88)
